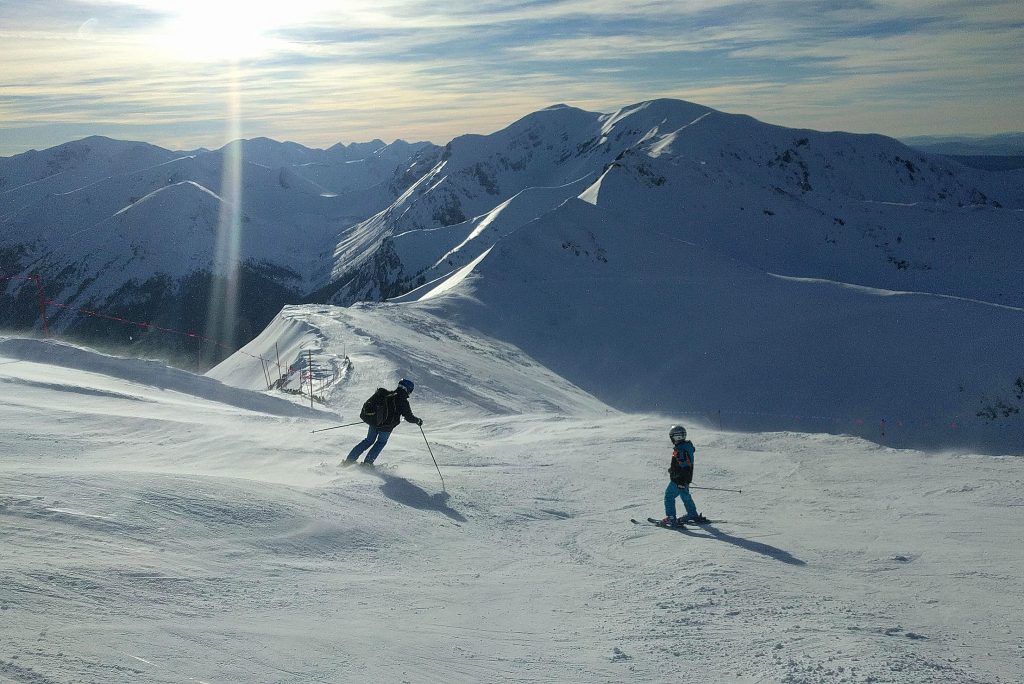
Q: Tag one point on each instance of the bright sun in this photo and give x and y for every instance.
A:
(221, 30)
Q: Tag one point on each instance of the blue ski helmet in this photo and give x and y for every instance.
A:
(406, 385)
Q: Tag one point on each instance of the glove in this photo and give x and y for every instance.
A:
(419, 421)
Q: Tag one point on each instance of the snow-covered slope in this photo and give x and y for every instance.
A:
(358, 349)
(163, 527)
(737, 345)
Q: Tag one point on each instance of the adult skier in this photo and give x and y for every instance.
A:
(680, 472)
(383, 412)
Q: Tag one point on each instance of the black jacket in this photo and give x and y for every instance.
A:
(680, 470)
(393, 405)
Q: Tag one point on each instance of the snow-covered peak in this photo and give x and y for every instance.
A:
(664, 114)
(68, 166)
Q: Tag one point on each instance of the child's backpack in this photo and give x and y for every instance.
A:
(376, 409)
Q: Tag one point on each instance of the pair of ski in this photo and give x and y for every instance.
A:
(677, 526)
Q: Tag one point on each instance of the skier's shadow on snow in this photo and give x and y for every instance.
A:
(404, 492)
(756, 547)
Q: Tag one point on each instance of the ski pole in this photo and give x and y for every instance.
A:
(339, 426)
(717, 489)
(433, 459)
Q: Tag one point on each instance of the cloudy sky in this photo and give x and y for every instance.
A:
(195, 73)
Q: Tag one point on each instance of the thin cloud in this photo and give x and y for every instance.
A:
(323, 72)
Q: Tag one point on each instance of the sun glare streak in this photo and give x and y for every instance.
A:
(222, 316)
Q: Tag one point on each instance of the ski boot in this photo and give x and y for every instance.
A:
(694, 519)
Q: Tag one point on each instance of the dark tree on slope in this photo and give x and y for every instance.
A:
(1007, 406)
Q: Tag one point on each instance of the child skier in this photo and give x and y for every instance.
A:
(680, 474)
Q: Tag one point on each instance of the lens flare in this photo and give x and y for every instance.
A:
(222, 311)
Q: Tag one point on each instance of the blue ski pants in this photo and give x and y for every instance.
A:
(375, 441)
(671, 492)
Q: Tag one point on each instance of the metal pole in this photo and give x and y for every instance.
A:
(717, 489)
(266, 375)
(339, 426)
(433, 459)
(310, 364)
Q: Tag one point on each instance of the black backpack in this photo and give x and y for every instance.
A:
(377, 409)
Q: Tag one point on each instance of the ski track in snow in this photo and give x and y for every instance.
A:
(226, 546)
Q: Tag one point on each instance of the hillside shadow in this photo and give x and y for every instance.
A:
(408, 494)
(757, 547)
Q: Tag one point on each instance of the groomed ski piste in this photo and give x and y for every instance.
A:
(158, 526)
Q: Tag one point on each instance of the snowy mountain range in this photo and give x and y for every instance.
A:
(664, 257)
(1002, 152)
(1001, 145)
(140, 232)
